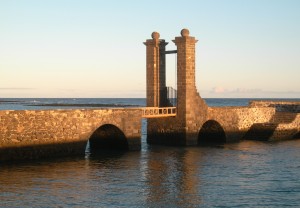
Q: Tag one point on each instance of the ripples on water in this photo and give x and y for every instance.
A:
(245, 174)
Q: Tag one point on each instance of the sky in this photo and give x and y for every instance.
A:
(94, 48)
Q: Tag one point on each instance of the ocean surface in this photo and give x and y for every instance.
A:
(244, 174)
(79, 103)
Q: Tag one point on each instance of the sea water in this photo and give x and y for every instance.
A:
(244, 174)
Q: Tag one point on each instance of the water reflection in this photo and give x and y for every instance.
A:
(172, 174)
(249, 173)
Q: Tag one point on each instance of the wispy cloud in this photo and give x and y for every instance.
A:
(237, 90)
(218, 90)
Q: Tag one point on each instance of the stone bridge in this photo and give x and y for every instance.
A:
(42, 133)
(197, 123)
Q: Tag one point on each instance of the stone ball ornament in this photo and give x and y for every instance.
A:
(185, 32)
(155, 35)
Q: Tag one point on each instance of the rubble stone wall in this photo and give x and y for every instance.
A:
(61, 131)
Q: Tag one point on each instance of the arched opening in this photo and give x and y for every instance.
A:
(107, 137)
(211, 133)
(297, 136)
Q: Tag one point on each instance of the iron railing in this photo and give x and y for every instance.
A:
(155, 112)
(172, 96)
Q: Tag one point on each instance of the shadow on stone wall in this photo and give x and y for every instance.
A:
(167, 138)
(260, 131)
(283, 117)
(106, 137)
(264, 131)
(43, 151)
(297, 136)
(293, 108)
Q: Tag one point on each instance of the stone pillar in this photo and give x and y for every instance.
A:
(187, 96)
(183, 129)
(163, 102)
(186, 87)
(152, 75)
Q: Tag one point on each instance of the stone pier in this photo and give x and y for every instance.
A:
(33, 134)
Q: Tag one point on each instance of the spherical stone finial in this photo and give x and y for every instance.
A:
(155, 35)
(185, 32)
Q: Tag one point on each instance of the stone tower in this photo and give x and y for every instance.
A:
(191, 108)
(156, 71)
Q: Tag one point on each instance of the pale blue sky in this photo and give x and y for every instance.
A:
(94, 48)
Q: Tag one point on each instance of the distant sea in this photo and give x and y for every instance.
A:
(243, 174)
(72, 103)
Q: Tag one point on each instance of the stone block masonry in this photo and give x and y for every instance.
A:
(195, 122)
(49, 133)
(281, 106)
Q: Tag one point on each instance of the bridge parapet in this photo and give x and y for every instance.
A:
(155, 112)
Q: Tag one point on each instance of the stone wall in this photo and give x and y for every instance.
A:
(285, 131)
(285, 123)
(236, 121)
(258, 123)
(43, 133)
(241, 118)
(283, 106)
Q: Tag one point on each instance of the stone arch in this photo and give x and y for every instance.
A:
(108, 137)
(297, 135)
(211, 132)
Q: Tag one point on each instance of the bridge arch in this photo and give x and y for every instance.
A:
(297, 135)
(108, 137)
(211, 132)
